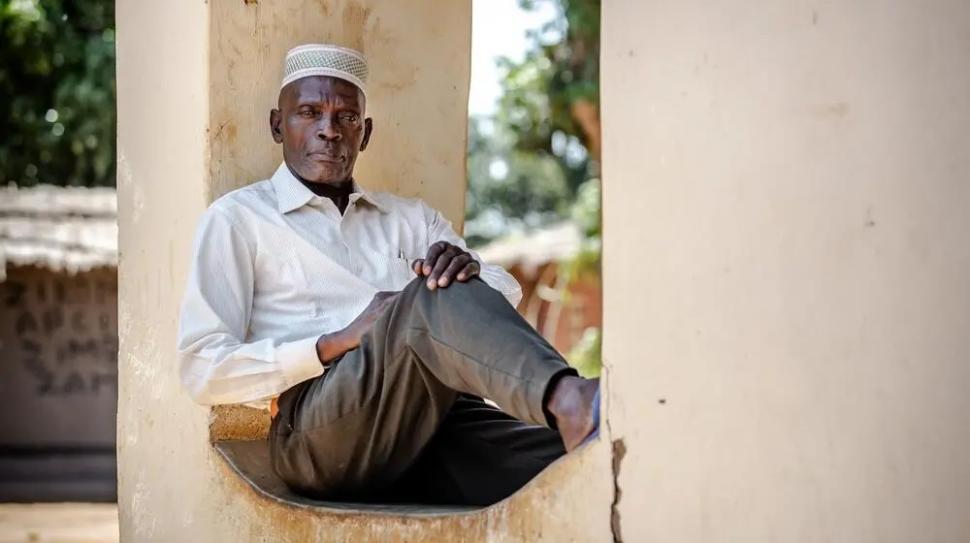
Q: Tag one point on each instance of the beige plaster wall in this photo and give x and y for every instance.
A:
(196, 81)
(786, 260)
(168, 482)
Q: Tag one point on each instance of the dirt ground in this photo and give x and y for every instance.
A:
(59, 523)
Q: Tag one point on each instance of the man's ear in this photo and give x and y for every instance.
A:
(368, 128)
(275, 121)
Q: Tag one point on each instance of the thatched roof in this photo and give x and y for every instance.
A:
(67, 229)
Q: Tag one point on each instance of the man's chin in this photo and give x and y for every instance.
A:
(324, 173)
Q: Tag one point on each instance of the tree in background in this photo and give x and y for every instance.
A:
(537, 161)
(57, 92)
(548, 117)
(554, 92)
(521, 189)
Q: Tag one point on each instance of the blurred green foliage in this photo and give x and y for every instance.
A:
(540, 98)
(585, 355)
(536, 161)
(511, 188)
(57, 92)
(528, 163)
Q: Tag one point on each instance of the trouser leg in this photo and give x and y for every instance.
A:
(478, 456)
(355, 430)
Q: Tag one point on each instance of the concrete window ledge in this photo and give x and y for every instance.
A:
(569, 501)
(250, 460)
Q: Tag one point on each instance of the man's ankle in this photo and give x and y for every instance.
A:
(564, 396)
(547, 396)
(571, 403)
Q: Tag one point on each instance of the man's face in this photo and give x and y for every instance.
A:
(321, 124)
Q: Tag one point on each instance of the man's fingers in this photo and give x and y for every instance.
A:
(433, 253)
(388, 302)
(418, 266)
(441, 263)
(384, 294)
(379, 305)
(470, 270)
(383, 299)
(457, 264)
(389, 296)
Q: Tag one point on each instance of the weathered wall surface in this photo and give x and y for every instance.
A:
(786, 263)
(196, 81)
(167, 479)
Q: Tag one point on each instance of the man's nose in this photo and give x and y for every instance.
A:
(326, 130)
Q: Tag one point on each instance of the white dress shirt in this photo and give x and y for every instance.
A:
(275, 266)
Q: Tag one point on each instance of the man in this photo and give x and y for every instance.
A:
(365, 325)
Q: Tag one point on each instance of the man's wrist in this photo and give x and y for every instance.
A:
(331, 346)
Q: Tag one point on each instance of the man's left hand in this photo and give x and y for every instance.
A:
(445, 264)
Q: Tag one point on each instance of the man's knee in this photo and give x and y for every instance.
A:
(457, 292)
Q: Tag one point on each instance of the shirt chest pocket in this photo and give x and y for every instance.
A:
(292, 276)
(401, 272)
(389, 272)
(285, 283)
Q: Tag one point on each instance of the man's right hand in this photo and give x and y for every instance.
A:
(333, 346)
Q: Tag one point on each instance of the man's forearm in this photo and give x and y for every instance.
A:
(332, 346)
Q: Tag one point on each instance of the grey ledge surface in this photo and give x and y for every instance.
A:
(250, 460)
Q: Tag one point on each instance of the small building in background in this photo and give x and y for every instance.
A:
(59, 344)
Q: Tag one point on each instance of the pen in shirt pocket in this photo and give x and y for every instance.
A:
(408, 261)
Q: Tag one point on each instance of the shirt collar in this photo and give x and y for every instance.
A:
(291, 194)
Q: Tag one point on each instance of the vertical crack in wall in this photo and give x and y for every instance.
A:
(619, 451)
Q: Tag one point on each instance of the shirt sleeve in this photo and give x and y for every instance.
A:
(440, 229)
(216, 365)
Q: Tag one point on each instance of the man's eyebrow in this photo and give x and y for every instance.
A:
(347, 101)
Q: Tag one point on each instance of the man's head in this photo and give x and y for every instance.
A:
(320, 114)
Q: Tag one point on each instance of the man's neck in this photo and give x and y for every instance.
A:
(339, 193)
(344, 188)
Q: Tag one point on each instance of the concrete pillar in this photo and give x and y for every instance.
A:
(196, 81)
(786, 260)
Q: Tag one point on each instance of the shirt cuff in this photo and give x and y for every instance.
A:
(299, 361)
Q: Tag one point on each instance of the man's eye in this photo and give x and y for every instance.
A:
(349, 117)
(308, 113)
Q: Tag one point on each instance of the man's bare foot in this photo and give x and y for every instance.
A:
(571, 403)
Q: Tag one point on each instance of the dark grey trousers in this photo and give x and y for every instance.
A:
(400, 419)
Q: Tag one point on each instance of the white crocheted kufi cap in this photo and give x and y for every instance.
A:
(325, 59)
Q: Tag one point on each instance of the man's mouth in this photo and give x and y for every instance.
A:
(325, 157)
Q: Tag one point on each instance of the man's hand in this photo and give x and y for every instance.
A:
(333, 346)
(445, 264)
